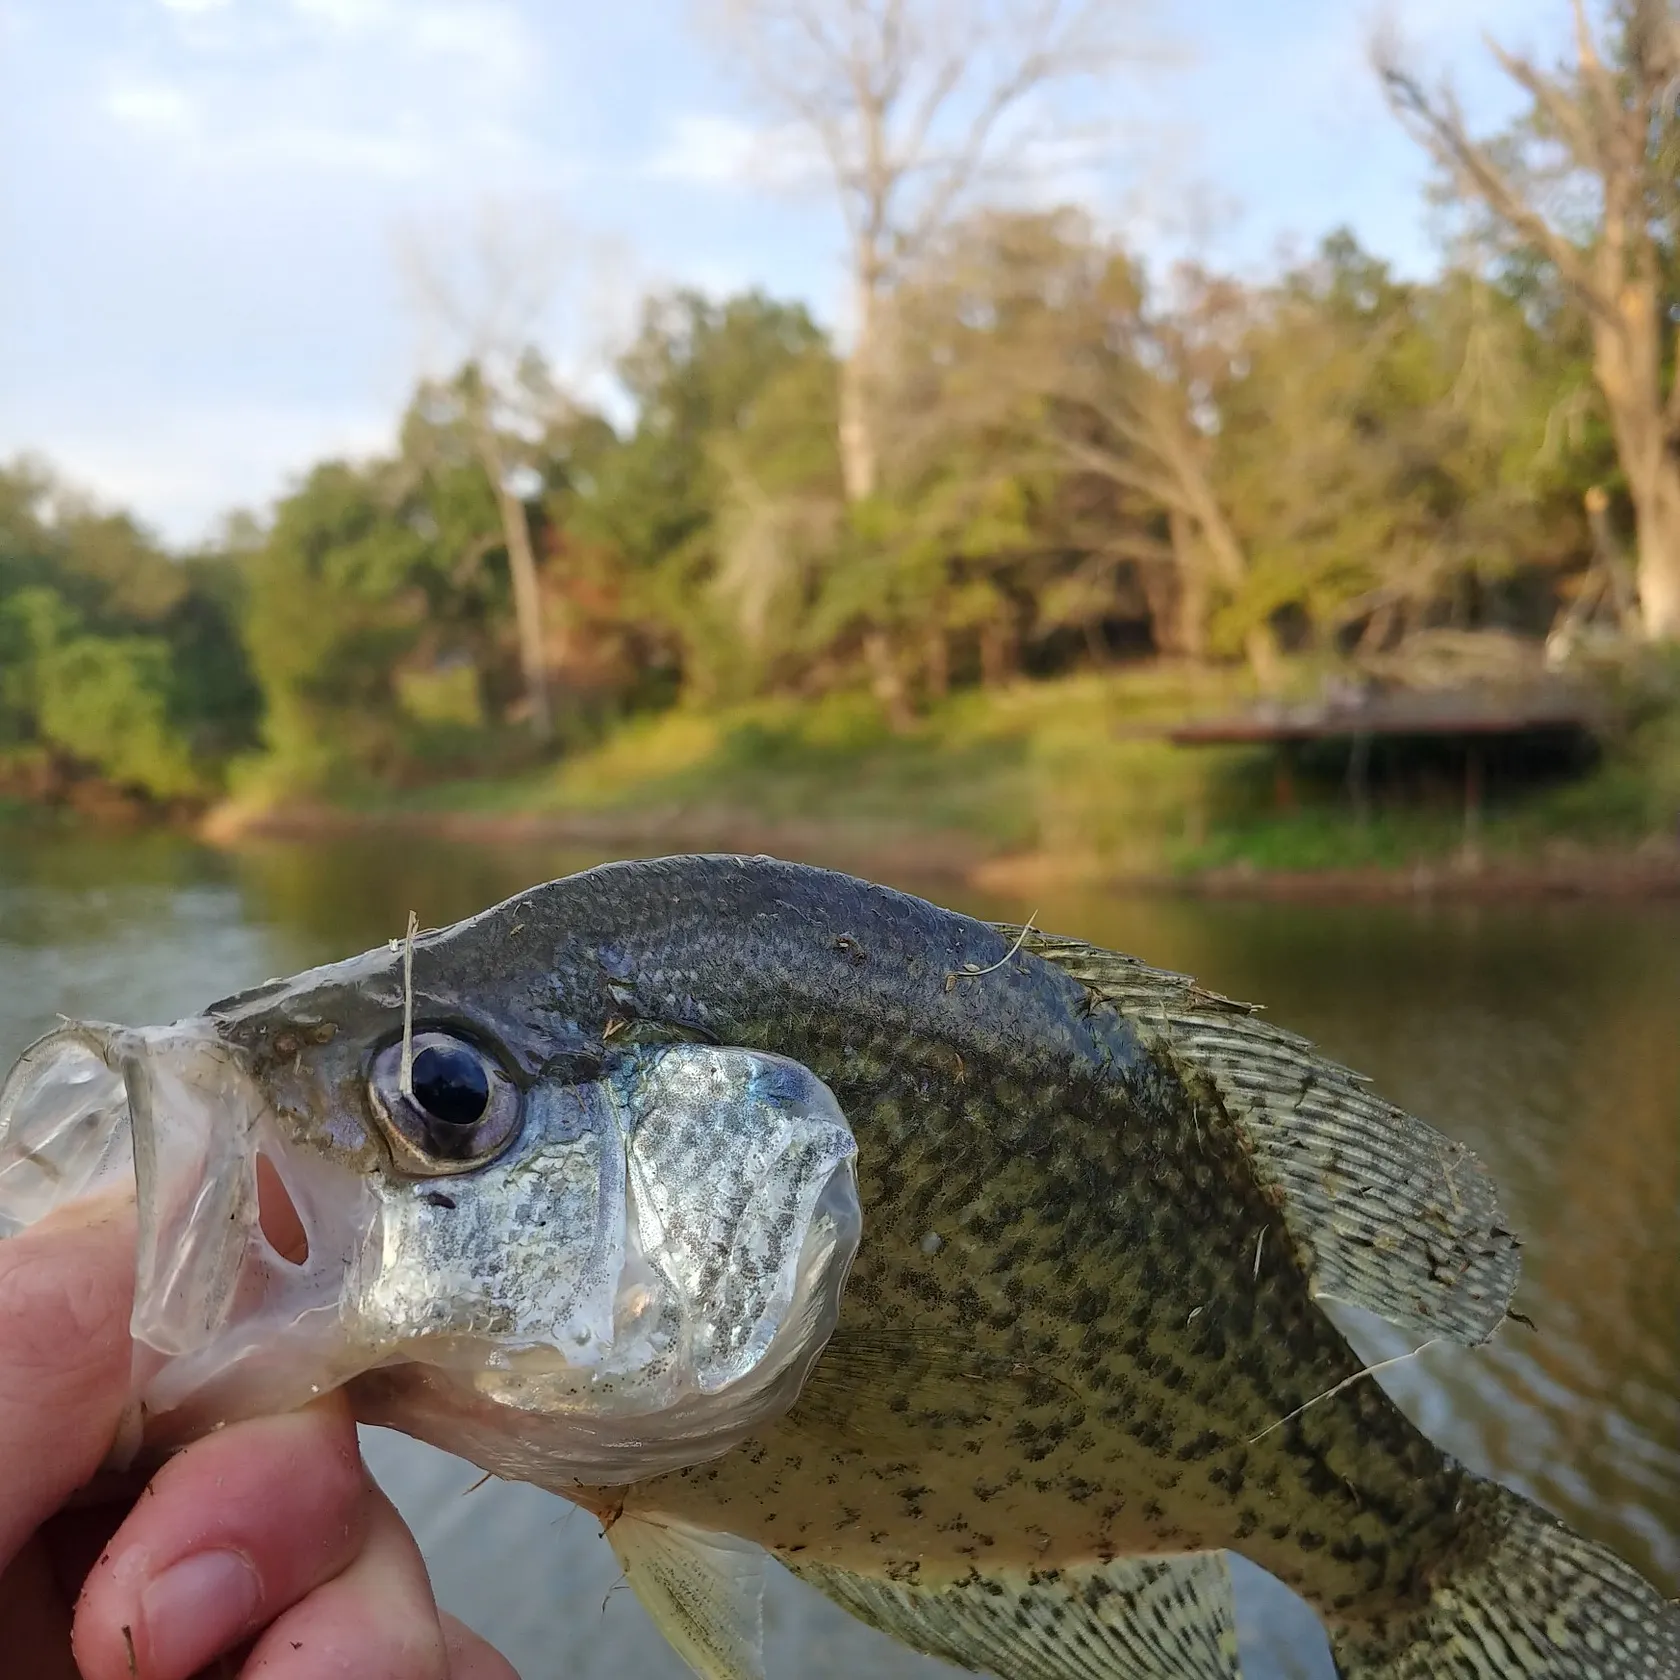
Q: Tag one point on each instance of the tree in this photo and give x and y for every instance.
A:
(488, 295)
(1055, 345)
(115, 657)
(722, 491)
(910, 102)
(1590, 182)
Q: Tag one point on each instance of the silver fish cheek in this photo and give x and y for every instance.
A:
(731, 1153)
(646, 1278)
(525, 1254)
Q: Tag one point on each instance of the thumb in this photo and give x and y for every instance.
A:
(66, 1290)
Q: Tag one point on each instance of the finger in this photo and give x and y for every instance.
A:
(230, 1534)
(376, 1621)
(469, 1657)
(66, 1290)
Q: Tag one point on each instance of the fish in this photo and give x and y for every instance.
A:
(976, 1274)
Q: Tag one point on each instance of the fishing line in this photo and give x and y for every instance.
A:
(970, 972)
(1346, 1382)
(406, 1082)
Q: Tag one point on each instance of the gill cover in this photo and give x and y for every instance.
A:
(644, 1275)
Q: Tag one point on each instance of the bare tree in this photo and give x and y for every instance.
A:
(1604, 123)
(911, 103)
(486, 297)
(1130, 415)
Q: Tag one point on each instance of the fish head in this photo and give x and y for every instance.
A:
(570, 1259)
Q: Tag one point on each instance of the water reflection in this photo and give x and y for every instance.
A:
(1547, 1037)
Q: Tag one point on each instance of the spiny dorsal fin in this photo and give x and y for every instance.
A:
(1158, 1618)
(704, 1591)
(1385, 1212)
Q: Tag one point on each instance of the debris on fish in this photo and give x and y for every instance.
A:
(971, 1272)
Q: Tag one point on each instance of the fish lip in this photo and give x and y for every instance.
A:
(223, 1325)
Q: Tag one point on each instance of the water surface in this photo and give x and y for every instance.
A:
(1546, 1037)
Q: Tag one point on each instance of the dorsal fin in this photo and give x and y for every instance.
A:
(1158, 1618)
(704, 1592)
(1385, 1212)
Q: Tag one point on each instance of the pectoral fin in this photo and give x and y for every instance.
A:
(704, 1591)
(1157, 1618)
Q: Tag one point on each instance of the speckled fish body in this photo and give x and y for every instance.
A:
(1080, 1354)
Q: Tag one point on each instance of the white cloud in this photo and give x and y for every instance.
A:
(719, 152)
(413, 93)
(155, 107)
(488, 37)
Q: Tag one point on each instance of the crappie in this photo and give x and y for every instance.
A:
(569, 1189)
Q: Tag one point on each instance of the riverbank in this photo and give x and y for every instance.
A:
(1041, 784)
(1562, 870)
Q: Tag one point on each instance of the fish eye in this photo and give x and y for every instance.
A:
(455, 1110)
(451, 1084)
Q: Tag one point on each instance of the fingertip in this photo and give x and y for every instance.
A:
(286, 1499)
(377, 1620)
(471, 1658)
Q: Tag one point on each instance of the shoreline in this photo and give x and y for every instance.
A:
(1650, 870)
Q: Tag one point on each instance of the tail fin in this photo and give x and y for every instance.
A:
(1539, 1603)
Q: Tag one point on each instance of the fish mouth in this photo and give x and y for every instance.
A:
(244, 1242)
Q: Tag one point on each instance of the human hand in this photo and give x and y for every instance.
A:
(265, 1548)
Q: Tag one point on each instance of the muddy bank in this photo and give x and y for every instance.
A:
(1561, 870)
(928, 856)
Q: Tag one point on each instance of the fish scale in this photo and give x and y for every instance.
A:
(1080, 1355)
(1123, 1422)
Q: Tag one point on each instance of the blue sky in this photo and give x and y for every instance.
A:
(202, 201)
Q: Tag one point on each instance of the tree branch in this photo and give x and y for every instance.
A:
(1444, 135)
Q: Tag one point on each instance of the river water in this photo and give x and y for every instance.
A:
(1545, 1036)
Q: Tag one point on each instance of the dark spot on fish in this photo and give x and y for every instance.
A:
(849, 947)
(1307, 1540)
(1199, 1446)
(437, 1199)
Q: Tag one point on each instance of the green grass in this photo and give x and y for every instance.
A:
(1067, 768)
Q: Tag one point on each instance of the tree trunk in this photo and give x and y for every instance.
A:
(1224, 550)
(997, 652)
(1627, 358)
(936, 661)
(859, 460)
(1189, 634)
(887, 680)
(522, 568)
(1656, 509)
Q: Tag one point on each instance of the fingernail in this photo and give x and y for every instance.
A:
(195, 1610)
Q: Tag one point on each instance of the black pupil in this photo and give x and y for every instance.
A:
(451, 1084)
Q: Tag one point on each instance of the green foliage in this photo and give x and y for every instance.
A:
(106, 701)
(1075, 461)
(116, 660)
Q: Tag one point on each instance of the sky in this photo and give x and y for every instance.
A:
(204, 204)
